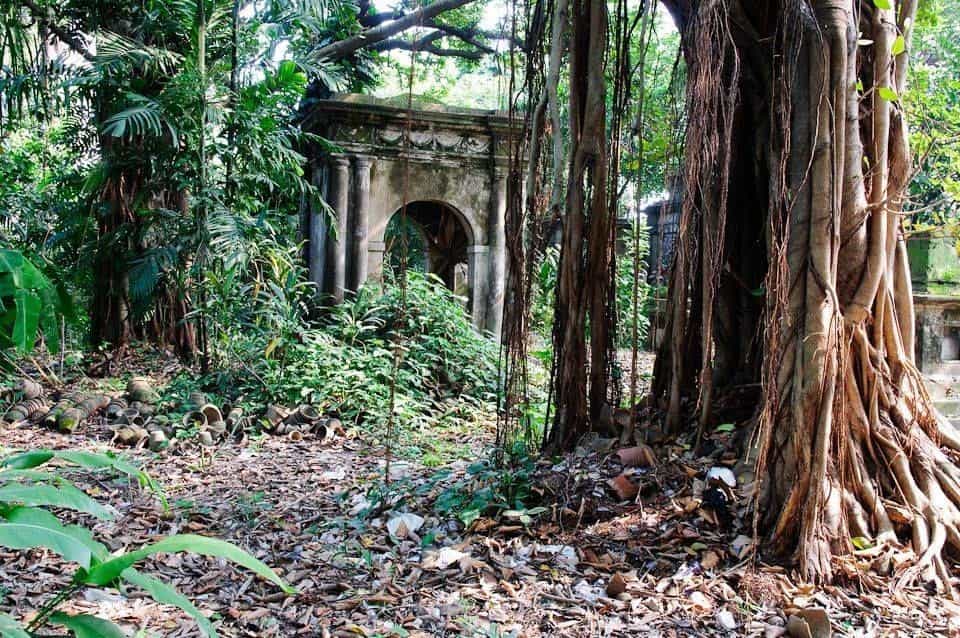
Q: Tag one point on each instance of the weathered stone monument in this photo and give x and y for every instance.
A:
(448, 165)
(935, 275)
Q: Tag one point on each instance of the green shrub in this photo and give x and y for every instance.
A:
(29, 303)
(489, 490)
(447, 372)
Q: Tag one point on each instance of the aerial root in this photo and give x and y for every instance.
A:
(896, 479)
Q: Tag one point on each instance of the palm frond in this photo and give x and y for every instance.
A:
(144, 119)
(115, 51)
(146, 271)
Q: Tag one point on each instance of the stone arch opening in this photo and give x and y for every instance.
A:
(438, 241)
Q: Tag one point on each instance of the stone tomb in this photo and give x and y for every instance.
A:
(935, 275)
(451, 173)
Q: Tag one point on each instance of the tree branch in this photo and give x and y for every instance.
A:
(370, 37)
(370, 20)
(467, 35)
(72, 40)
(405, 45)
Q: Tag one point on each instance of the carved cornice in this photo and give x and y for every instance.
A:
(381, 130)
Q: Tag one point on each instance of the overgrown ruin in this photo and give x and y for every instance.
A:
(450, 172)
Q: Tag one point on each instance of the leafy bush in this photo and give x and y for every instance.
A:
(27, 498)
(447, 371)
(490, 490)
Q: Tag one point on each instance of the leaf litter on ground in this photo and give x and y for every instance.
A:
(586, 559)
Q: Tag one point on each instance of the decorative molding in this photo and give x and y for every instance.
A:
(443, 141)
(340, 161)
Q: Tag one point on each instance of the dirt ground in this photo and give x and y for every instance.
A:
(585, 563)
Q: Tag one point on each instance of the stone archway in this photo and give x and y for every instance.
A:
(438, 239)
(454, 159)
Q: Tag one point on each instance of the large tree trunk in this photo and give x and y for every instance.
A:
(114, 319)
(585, 251)
(795, 167)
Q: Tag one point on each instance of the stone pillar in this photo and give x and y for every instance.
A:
(361, 220)
(340, 183)
(478, 258)
(498, 254)
(375, 250)
(319, 232)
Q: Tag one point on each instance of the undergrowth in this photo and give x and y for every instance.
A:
(446, 379)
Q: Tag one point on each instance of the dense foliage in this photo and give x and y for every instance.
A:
(446, 372)
(932, 102)
(29, 302)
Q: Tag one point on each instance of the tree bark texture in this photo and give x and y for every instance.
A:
(791, 277)
(585, 252)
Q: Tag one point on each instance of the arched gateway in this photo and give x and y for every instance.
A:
(453, 179)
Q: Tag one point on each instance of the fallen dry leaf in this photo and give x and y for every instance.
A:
(809, 623)
(709, 560)
(616, 585)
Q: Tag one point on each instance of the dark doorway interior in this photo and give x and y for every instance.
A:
(437, 239)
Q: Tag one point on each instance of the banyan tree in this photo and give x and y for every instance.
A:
(790, 275)
(791, 272)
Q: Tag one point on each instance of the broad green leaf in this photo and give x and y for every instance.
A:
(27, 320)
(899, 45)
(9, 474)
(82, 458)
(45, 519)
(95, 461)
(861, 542)
(10, 261)
(27, 460)
(887, 93)
(65, 495)
(86, 626)
(7, 287)
(467, 517)
(27, 536)
(726, 427)
(10, 628)
(108, 571)
(30, 277)
(882, 4)
(168, 595)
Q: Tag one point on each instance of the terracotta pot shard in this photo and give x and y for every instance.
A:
(638, 456)
(624, 488)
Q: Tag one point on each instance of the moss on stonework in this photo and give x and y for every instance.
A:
(934, 265)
